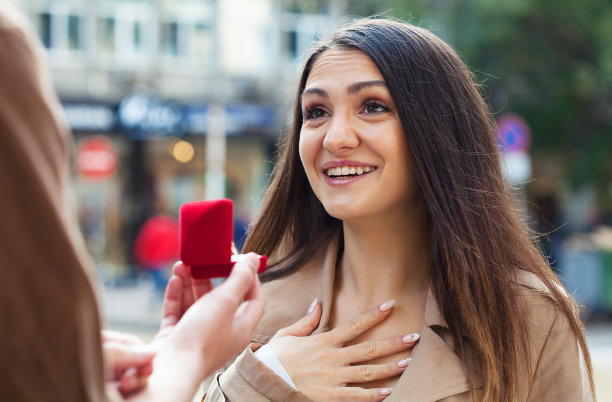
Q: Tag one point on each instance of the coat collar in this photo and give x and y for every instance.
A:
(435, 371)
(288, 298)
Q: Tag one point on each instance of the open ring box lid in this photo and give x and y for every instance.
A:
(206, 231)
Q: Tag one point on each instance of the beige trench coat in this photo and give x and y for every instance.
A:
(435, 372)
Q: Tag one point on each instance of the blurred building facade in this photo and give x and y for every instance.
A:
(156, 78)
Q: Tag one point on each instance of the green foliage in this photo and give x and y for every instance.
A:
(548, 61)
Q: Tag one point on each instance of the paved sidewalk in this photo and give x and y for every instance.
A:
(132, 307)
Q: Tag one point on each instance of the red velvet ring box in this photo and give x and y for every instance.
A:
(206, 231)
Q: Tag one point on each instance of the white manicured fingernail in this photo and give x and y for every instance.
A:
(387, 305)
(313, 305)
(411, 338)
(385, 391)
(251, 263)
(404, 362)
(257, 264)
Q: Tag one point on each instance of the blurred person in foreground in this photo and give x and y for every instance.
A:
(51, 347)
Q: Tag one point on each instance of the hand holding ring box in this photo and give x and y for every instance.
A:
(206, 231)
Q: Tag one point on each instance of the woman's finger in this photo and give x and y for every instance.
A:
(305, 325)
(254, 293)
(146, 370)
(250, 312)
(245, 322)
(241, 279)
(131, 382)
(360, 324)
(360, 394)
(199, 287)
(373, 372)
(182, 271)
(370, 350)
(121, 356)
(172, 308)
(114, 336)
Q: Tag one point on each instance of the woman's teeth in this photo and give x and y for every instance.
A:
(349, 170)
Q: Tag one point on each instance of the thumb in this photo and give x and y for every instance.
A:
(305, 325)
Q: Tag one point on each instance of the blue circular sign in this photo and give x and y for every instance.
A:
(514, 133)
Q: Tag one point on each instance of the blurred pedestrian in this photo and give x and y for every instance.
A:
(50, 339)
(156, 247)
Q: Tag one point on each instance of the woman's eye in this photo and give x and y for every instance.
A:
(375, 107)
(314, 113)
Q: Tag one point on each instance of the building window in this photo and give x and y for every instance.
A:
(186, 40)
(299, 32)
(202, 42)
(44, 28)
(137, 37)
(170, 39)
(61, 31)
(291, 40)
(74, 32)
(125, 35)
(106, 32)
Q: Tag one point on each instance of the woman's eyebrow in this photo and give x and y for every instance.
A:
(316, 91)
(358, 86)
(351, 89)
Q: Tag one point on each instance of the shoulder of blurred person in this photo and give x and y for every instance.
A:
(50, 340)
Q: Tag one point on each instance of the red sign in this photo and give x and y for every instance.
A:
(96, 158)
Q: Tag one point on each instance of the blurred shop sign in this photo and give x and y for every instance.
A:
(239, 119)
(249, 118)
(96, 158)
(83, 116)
(142, 116)
(514, 139)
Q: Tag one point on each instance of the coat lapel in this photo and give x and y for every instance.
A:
(287, 299)
(435, 371)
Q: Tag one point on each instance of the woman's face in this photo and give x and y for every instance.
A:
(352, 144)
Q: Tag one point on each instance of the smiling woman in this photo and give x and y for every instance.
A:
(389, 187)
(350, 123)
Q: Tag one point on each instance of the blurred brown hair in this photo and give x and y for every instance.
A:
(477, 239)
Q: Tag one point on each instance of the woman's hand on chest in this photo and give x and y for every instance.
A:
(322, 365)
(406, 318)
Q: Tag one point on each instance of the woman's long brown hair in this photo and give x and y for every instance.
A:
(477, 239)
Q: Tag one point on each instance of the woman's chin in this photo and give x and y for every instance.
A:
(345, 212)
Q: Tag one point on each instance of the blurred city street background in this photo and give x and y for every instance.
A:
(173, 101)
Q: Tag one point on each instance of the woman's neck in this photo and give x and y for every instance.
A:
(385, 257)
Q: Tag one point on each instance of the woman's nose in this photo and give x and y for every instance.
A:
(340, 135)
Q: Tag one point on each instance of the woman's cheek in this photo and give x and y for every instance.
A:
(308, 151)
